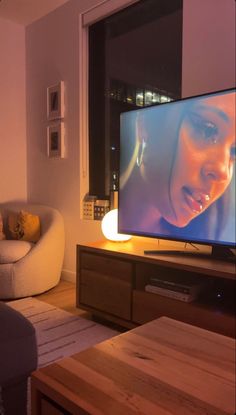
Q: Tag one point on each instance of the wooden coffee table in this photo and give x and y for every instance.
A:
(163, 367)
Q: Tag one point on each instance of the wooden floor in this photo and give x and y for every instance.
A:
(63, 296)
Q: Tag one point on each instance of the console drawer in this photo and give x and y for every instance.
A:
(106, 265)
(104, 293)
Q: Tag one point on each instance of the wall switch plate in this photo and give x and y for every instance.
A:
(88, 209)
(101, 207)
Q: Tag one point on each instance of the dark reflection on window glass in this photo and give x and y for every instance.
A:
(135, 60)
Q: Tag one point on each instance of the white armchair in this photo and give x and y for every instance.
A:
(28, 269)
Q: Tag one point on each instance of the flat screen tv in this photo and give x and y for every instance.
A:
(177, 171)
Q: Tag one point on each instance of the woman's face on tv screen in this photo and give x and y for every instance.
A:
(205, 157)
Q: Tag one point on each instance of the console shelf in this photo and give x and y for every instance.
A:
(111, 279)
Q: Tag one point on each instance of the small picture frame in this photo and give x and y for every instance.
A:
(56, 140)
(55, 101)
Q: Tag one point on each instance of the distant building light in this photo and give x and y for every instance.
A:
(164, 98)
(139, 99)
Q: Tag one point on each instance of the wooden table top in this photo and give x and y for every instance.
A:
(163, 367)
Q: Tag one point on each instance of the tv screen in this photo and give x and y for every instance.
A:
(177, 170)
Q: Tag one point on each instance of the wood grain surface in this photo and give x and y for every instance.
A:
(136, 246)
(163, 367)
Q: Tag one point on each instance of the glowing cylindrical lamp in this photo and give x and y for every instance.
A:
(110, 227)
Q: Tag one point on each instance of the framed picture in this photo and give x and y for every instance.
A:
(56, 140)
(55, 101)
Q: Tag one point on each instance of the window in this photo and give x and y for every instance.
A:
(135, 60)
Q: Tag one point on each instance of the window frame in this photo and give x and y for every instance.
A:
(97, 12)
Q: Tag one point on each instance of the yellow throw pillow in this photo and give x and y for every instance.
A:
(2, 234)
(30, 224)
(13, 227)
(24, 226)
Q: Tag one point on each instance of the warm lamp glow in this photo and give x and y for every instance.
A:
(110, 227)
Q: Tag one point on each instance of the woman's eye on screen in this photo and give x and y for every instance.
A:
(204, 129)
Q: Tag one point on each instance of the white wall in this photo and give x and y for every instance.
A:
(52, 54)
(208, 46)
(12, 112)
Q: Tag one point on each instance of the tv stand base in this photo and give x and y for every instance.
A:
(112, 279)
(217, 253)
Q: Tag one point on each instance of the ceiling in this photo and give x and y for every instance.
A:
(27, 11)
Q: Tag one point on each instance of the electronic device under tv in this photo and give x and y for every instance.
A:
(177, 173)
